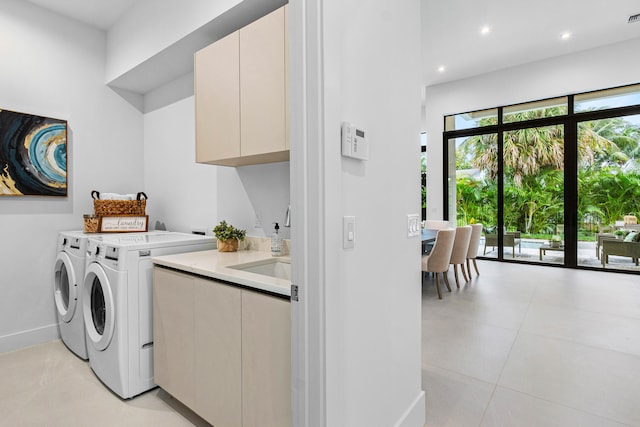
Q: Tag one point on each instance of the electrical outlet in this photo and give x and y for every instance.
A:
(258, 223)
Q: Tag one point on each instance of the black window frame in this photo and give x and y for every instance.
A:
(570, 122)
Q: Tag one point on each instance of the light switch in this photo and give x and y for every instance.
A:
(348, 232)
(413, 225)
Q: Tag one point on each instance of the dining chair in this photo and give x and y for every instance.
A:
(438, 260)
(433, 224)
(460, 250)
(474, 245)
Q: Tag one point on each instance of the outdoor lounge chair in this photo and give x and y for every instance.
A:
(511, 239)
(600, 237)
(620, 248)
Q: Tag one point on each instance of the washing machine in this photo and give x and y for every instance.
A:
(117, 305)
(68, 276)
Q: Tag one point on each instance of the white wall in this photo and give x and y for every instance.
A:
(371, 77)
(600, 68)
(261, 190)
(151, 26)
(185, 195)
(54, 67)
(182, 194)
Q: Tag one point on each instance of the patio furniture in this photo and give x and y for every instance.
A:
(599, 238)
(620, 248)
(474, 244)
(546, 247)
(438, 260)
(510, 239)
(459, 252)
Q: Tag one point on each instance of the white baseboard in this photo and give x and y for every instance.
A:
(414, 416)
(28, 338)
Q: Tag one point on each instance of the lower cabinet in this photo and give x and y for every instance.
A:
(266, 360)
(223, 351)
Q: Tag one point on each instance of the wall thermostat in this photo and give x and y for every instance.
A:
(354, 142)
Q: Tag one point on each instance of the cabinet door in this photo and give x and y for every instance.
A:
(218, 354)
(266, 361)
(217, 89)
(262, 85)
(173, 333)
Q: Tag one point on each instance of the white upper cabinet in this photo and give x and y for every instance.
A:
(241, 86)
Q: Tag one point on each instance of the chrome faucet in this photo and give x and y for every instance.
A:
(287, 218)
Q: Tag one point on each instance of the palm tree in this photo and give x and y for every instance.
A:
(607, 141)
(531, 154)
(528, 151)
(608, 180)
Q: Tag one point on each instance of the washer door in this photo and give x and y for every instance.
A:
(65, 287)
(97, 307)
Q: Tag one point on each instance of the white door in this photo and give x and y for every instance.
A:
(98, 308)
(65, 287)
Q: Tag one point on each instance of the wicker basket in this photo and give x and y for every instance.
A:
(91, 223)
(119, 207)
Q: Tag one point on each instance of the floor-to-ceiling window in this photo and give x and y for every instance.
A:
(551, 181)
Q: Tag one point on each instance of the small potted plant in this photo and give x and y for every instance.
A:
(620, 234)
(555, 241)
(228, 236)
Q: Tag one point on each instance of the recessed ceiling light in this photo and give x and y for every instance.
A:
(441, 69)
(566, 35)
(485, 30)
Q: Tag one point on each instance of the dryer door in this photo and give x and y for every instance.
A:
(97, 307)
(65, 287)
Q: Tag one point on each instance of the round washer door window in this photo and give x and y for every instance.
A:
(65, 288)
(97, 307)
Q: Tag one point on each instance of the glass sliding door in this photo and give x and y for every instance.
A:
(608, 191)
(473, 186)
(555, 181)
(533, 194)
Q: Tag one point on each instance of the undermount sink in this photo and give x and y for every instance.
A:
(277, 268)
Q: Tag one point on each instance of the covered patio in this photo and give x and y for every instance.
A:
(529, 250)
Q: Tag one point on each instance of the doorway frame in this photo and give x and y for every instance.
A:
(307, 170)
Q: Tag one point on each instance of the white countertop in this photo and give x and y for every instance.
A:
(215, 264)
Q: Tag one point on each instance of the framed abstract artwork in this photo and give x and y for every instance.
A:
(33, 155)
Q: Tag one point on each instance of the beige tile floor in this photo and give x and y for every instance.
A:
(46, 385)
(517, 346)
(533, 346)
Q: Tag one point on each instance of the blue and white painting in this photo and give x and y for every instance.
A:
(33, 155)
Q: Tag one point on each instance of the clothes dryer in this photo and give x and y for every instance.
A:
(117, 305)
(68, 276)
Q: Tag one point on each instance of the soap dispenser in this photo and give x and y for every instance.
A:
(276, 242)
